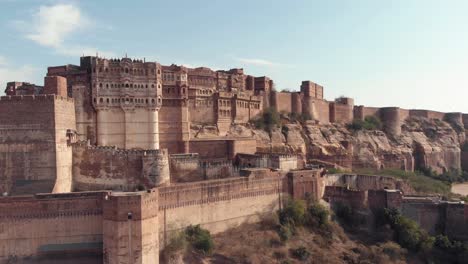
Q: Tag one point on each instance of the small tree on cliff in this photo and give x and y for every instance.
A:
(269, 119)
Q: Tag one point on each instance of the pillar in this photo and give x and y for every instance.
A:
(153, 126)
(128, 129)
(102, 139)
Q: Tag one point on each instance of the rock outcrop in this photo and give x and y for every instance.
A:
(423, 143)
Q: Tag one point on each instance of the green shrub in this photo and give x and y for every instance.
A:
(301, 253)
(293, 213)
(200, 239)
(296, 117)
(334, 171)
(285, 130)
(317, 216)
(419, 182)
(285, 232)
(369, 123)
(269, 119)
(407, 232)
(347, 215)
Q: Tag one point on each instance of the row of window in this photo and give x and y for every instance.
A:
(126, 85)
(197, 80)
(129, 100)
(225, 112)
(203, 103)
(173, 77)
(126, 70)
(246, 105)
(224, 103)
(205, 92)
(175, 90)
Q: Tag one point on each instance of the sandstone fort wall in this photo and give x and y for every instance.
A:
(108, 168)
(33, 143)
(47, 224)
(282, 101)
(218, 204)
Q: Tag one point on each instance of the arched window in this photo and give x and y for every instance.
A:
(152, 101)
(126, 70)
(94, 99)
(152, 86)
(107, 85)
(147, 86)
(126, 85)
(100, 85)
(146, 101)
(107, 100)
(101, 100)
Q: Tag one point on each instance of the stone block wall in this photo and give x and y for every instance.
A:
(341, 113)
(34, 153)
(130, 228)
(55, 85)
(104, 168)
(218, 204)
(185, 168)
(282, 101)
(338, 194)
(57, 224)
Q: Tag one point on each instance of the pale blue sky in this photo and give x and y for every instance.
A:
(408, 53)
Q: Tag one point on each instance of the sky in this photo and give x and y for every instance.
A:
(406, 53)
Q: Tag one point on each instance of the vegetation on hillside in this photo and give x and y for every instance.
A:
(296, 117)
(421, 183)
(369, 123)
(193, 238)
(268, 120)
(408, 234)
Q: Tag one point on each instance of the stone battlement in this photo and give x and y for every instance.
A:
(34, 98)
(119, 151)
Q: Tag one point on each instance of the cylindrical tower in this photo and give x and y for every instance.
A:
(156, 166)
(390, 117)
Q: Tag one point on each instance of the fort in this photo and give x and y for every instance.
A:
(112, 156)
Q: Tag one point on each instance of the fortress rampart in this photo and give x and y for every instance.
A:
(35, 155)
(110, 168)
(132, 227)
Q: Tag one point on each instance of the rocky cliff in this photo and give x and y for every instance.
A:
(423, 143)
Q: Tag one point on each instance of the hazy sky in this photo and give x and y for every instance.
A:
(408, 53)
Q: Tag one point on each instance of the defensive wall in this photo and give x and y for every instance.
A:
(110, 168)
(35, 132)
(223, 147)
(433, 214)
(282, 162)
(367, 182)
(113, 227)
(393, 117)
(131, 227)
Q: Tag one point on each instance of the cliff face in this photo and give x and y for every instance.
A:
(422, 143)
